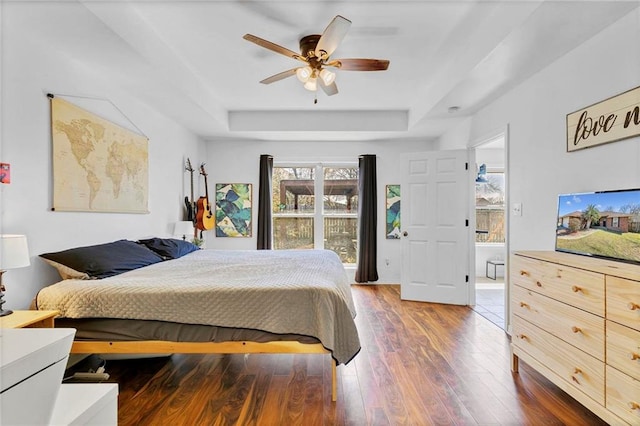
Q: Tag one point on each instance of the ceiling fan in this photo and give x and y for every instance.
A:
(315, 50)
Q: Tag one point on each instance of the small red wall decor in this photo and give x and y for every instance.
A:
(5, 173)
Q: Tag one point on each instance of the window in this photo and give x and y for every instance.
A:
(303, 221)
(490, 209)
(293, 207)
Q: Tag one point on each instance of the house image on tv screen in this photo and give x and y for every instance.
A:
(603, 224)
(614, 221)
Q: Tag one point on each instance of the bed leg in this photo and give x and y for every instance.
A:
(334, 380)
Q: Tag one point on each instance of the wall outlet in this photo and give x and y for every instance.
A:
(516, 209)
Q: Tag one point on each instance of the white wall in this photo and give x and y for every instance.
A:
(234, 161)
(535, 111)
(492, 157)
(29, 71)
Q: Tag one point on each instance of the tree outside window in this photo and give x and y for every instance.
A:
(303, 221)
(490, 209)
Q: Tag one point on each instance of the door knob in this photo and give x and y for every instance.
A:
(405, 233)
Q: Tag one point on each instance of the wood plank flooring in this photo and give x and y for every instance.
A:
(420, 364)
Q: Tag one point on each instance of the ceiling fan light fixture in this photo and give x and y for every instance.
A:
(327, 76)
(304, 74)
(311, 84)
(315, 51)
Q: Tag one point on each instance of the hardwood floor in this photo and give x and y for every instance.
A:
(420, 364)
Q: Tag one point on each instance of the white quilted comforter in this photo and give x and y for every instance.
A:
(280, 291)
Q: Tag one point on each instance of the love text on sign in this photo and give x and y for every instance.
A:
(611, 120)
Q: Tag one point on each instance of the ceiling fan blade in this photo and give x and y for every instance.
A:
(332, 36)
(330, 89)
(280, 76)
(273, 47)
(360, 64)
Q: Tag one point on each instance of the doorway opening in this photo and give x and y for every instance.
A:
(491, 226)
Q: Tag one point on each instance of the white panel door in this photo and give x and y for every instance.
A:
(435, 241)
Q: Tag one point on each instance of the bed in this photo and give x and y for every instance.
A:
(205, 301)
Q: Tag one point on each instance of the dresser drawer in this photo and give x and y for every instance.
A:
(577, 287)
(623, 349)
(580, 370)
(623, 301)
(575, 326)
(623, 396)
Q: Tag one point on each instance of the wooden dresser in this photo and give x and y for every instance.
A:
(576, 320)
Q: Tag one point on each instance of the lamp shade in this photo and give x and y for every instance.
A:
(304, 73)
(14, 252)
(311, 85)
(327, 76)
(183, 229)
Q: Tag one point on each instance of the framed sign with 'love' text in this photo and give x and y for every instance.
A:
(611, 120)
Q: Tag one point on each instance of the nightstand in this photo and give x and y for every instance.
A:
(29, 319)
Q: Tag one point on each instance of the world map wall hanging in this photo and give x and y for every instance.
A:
(98, 166)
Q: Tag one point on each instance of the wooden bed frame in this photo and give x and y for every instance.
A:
(241, 347)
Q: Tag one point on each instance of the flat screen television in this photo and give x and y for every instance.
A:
(602, 224)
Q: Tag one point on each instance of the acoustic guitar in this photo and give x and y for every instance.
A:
(190, 204)
(204, 217)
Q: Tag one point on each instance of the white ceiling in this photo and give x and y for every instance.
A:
(187, 59)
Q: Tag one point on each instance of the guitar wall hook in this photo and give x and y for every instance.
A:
(190, 203)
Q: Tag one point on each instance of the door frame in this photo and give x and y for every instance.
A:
(504, 132)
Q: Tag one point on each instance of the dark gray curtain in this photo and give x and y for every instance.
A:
(265, 237)
(368, 218)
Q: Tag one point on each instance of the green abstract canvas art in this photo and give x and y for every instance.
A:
(393, 211)
(233, 210)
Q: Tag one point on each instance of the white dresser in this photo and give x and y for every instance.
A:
(576, 320)
(32, 363)
(94, 404)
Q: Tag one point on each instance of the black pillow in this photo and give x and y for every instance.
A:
(169, 248)
(105, 260)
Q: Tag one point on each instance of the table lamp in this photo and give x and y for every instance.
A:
(184, 229)
(13, 254)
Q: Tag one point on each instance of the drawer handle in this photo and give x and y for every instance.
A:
(524, 305)
(524, 273)
(576, 329)
(576, 289)
(523, 337)
(576, 371)
(634, 405)
(634, 356)
(538, 283)
(633, 306)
